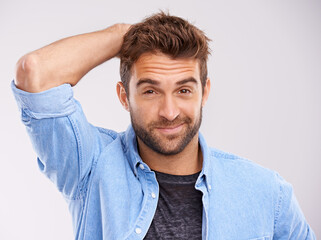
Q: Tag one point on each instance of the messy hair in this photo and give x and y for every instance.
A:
(166, 34)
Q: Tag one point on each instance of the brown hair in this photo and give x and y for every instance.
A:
(167, 34)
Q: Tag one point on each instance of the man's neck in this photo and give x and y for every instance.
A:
(187, 162)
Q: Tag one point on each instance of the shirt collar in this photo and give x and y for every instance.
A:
(131, 150)
(206, 169)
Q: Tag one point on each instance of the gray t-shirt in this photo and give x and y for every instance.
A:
(179, 210)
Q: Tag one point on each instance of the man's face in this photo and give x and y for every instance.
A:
(165, 102)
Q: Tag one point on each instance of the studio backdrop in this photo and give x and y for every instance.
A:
(265, 101)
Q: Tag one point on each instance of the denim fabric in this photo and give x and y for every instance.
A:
(111, 191)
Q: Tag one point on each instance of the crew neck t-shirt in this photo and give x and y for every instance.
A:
(179, 209)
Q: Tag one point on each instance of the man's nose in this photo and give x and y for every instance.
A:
(169, 108)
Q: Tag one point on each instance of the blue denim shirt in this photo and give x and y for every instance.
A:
(111, 192)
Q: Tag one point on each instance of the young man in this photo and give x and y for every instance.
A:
(159, 179)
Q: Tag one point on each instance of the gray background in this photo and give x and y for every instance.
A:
(264, 105)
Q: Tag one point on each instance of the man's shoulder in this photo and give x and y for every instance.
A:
(232, 166)
(230, 159)
(108, 134)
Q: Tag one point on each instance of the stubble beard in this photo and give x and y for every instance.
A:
(171, 144)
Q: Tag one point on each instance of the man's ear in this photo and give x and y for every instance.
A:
(206, 92)
(122, 95)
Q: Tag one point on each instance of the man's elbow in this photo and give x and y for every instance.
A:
(27, 74)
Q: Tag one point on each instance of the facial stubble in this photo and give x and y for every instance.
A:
(150, 138)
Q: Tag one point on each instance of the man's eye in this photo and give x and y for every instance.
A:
(149, 92)
(184, 91)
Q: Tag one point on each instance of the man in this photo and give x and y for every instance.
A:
(159, 179)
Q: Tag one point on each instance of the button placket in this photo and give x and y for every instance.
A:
(150, 187)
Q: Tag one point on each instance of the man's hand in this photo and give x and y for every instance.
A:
(69, 59)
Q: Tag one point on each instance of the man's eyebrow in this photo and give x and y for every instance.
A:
(146, 80)
(191, 79)
(154, 82)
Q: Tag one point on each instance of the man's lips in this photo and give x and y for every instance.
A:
(170, 129)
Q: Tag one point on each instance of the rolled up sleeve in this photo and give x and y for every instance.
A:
(55, 102)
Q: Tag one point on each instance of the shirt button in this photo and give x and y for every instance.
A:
(138, 230)
(153, 195)
(141, 166)
(209, 187)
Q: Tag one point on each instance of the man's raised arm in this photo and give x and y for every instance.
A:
(68, 60)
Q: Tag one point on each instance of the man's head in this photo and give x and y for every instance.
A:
(164, 81)
(165, 34)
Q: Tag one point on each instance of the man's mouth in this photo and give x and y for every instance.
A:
(170, 129)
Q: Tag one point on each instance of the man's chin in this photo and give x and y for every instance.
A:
(169, 139)
(168, 151)
(168, 145)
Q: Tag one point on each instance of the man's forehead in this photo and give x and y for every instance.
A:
(151, 65)
(166, 61)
